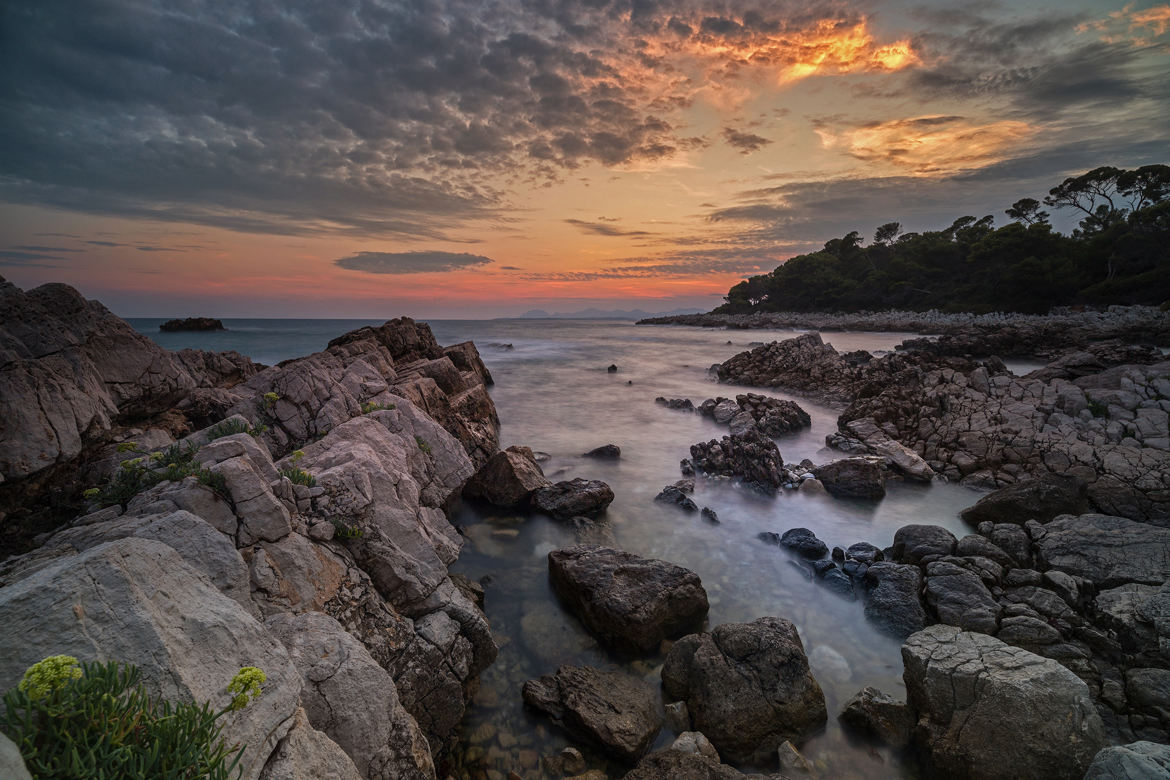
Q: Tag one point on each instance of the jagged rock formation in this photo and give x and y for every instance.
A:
(191, 323)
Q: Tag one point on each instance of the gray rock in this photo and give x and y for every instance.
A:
(672, 494)
(990, 710)
(804, 542)
(750, 455)
(892, 599)
(960, 598)
(875, 713)
(1039, 499)
(912, 543)
(905, 460)
(1135, 761)
(307, 754)
(508, 479)
(138, 601)
(11, 763)
(604, 452)
(679, 765)
(976, 545)
(747, 687)
(853, 478)
(628, 602)
(695, 742)
(1108, 551)
(352, 699)
(562, 500)
(615, 711)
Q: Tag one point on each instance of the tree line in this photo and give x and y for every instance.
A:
(1119, 254)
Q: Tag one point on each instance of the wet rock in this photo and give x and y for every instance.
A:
(853, 478)
(1014, 541)
(628, 602)
(709, 515)
(830, 664)
(751, 411)
(678, 719)
(768, 537)
(612, 368)
(877, 442)
(1038, 499)
(694, 742)
(617, 712)
(751, 456)
(587, 497)
(892, 598)
(880, 715)
(912, 543)
(605, 452)
(976, 545)
(989, 710)
(1135, 761)
(839, 582)
(678, 765)
(671, 494)
(508, 479)
(960, 598)
(863, 552)
(791, 760)
(804, 542)
(1107, 551)
(747, 687)
(682, 404)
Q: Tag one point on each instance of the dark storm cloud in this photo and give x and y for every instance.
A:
(604, 229)
(745, 142)
(410, 262)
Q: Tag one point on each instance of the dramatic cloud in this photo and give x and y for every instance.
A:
(410, 262)
(604, 229)
(745, 142)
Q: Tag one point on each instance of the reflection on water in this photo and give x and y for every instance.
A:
(554, 394)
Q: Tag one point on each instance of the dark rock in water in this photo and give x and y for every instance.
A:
(605, 452)
(590, 531)
(1013, 540)
(839, 582)
(747, 687)
(1034, 499)
(976, 545)
(612, 368)
(771, 537)
(503, 347)
(853, 478)
(672, 494)
(960, 598)
(769, 416)
(880, 715)
(864, 552)
(686, 485)
(617, 712)
(686, 467)
(588, 497)
(630, 603)
(892, 600)
(674, 764)
(191, 323)
(750, 456)
(990, 710)
(821, 567)
(709, 515)
(804, 542)
(508, 479)
(682, 404)
(1135, 761)
(912, 543)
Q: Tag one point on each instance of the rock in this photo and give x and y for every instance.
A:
(138, 601)
(750, 456)
(682, 404)
(572, 761)
(747, 687)
(678, 719)
(1014, 541)
(1108, 551)
(960, 598)
(605, 452)
(307, 754)
(892, 600)
(878, 442)
(830, 664)
(11, 763)
(562, 500)
(839, 582)
(695, 742)
(612, 368)
(615, 711)
(1038, 499)
(791, 761)
(767, 416)
(864, 552)
(679, 765)
(508, 479)
(853, 478)
(671, 494)
(804, 542)
(989, 710)
(709, 515)
(352, 699)
(191, 324)
(912, 543)
(880, 715)
(976, 545)
(628, 602)
(1135, 761)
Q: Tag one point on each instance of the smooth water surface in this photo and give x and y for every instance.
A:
(554, 394)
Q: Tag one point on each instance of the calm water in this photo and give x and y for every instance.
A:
(554, 394)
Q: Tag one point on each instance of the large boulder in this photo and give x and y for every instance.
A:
(747, 687)
(892, 598)
(853, 478)
(630, 603)
(574, 498)
(804, 542)
(1039, 499)
(990, 710)
(615, 711)
(1109, 551)
(960, 598)
(137, 601)
(1135, 761)
(508, 479)
(880, 715)
(912, 543)
(352, 699)
(750, 455)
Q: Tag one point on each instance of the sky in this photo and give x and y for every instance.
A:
(448, 158)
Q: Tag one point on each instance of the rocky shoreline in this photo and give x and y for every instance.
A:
(195, 512)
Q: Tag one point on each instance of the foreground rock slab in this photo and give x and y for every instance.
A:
(1108, 550)
(630, 603)
(615, 711)
(675, 764)
(747, 687)
(1135, 761)
(990, 710)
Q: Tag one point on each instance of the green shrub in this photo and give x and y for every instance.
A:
(345, 531)
(228, 428)
(1098, 409)
(173, 464)
(370, 406)
(270, 400)
(95, 720)
(299, 477)
(422, 444)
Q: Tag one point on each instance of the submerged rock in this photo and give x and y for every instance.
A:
(853, 478)
(605, 452)
(615, 711)
(673, 494)
(880, 715)
(629, 602)
(804, 542)
(747, 687)
(562, 500)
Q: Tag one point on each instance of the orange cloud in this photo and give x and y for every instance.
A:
(1130, 25)
(930, 145)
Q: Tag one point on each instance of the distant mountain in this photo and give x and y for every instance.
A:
(602, 314)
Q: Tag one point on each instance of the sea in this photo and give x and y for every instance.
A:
(554, 394)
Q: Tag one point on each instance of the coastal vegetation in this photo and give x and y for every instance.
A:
(1116, 255)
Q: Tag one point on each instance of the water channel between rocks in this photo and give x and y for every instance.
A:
(554, 394)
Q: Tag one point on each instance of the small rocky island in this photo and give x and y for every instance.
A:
(191, 324)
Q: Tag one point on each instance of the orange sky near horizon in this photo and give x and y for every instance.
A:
(651, 172)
